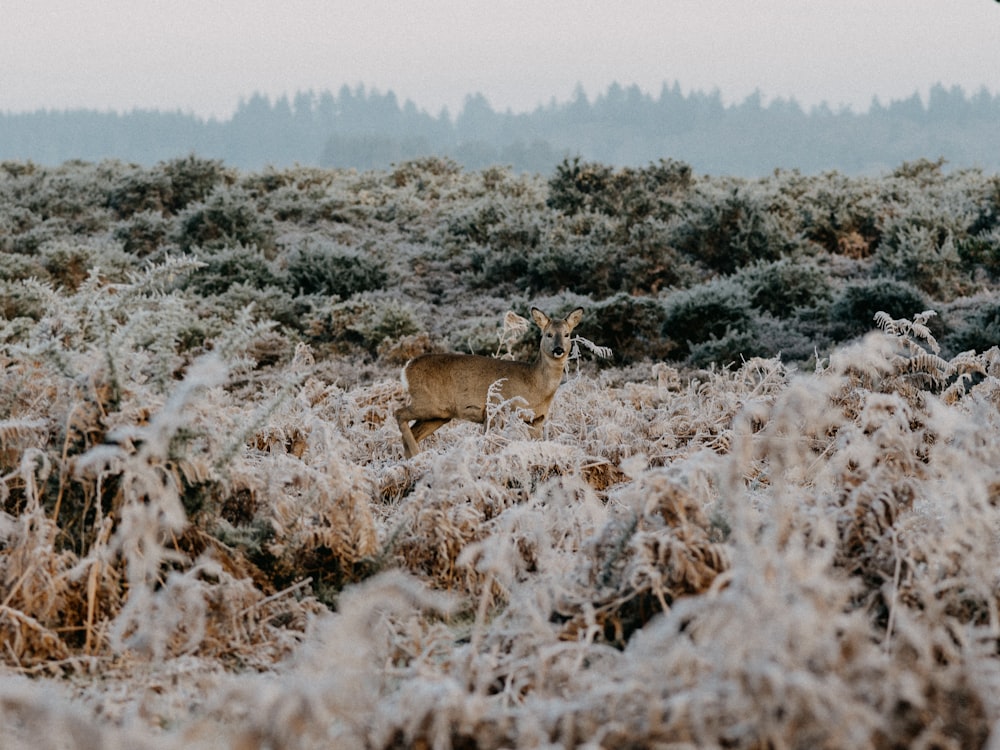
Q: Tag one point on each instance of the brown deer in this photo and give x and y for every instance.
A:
(443, 387)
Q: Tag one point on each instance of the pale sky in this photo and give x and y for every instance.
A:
(202, 56)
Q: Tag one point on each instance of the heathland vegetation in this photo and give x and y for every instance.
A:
(770, 520)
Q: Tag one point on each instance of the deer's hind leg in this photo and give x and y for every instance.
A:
(424, 427)
(403, 417)
(421, 428)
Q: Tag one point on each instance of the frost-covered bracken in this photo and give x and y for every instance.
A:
(208, 536)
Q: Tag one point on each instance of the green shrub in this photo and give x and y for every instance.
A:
(726, 228)
(228, 217)
(503, 224)
(713, 310)
(333, 270)
(927, 258)
(783, 286)
(168, 187)
(729, 349)
(17, 267)
(192, 179)
(630, 194)
(576, 266)
(143, 234)
(68, 263)
(576, 187)
(853, 308)
(839, 213)
(19, 300)
(796, 340)
(269, 303)
(631, 326)
(983, 250)
(975, 325)
(362, 322)
(648, 262)
(234, 265)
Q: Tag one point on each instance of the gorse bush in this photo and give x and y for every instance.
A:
(727, 228)
(705, 312)
(234, 265)
(631, 326)
(976, 325)
(853, 307)
(144, 234)
(784, 286)
(633, 194)
(331, 270)
(227, 217)
(168, 188)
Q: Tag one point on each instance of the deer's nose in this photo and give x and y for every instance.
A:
(558, 351)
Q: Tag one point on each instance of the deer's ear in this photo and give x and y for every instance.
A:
(573, 319)
(541, 318)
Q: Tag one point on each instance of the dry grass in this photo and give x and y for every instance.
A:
(747, 558)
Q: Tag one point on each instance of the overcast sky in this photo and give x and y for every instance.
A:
(202, 56)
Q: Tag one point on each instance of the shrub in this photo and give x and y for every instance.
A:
(364, 322)
(503, 224)
(143, 233)
(577, 266)
(839, 213)
(192, 179)
(631, 326)
(20, 300)
(269, 303)
(728, 227)
(168, 187)
(227, 217)
(333, 270)
(726, 350)
(927, 258)
(852, 311)
(648, 262)
(575, 187)
(630, 194)
(709, 311)
(796, 340)
(782, 286)
(976, 325)
(68, 263)
(982, 249)
(235, 265)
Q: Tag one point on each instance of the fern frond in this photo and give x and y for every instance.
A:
(514, 327)
(884, 321)
(604, 352)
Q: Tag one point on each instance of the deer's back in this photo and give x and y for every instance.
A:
(464, 373)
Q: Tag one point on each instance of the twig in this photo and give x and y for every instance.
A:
(268, 599)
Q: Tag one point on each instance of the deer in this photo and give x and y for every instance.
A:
(443, 387)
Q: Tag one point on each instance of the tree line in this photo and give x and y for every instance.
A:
(623, 126)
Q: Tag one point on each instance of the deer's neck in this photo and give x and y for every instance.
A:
(549, 370)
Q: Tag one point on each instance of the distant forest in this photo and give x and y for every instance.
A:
(623, 126)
